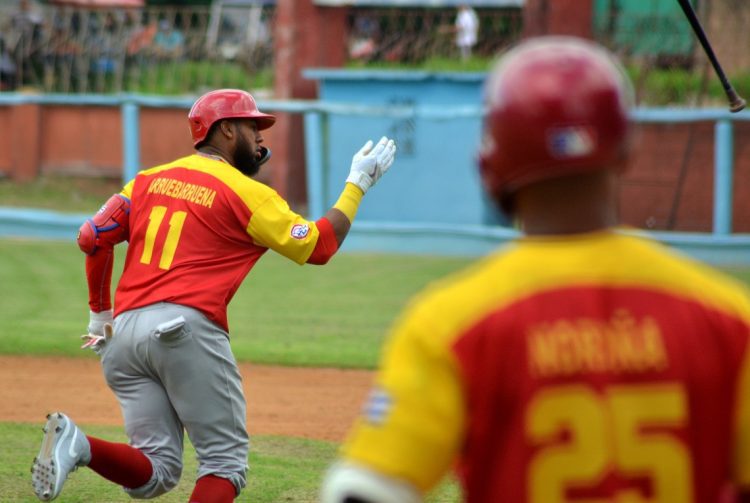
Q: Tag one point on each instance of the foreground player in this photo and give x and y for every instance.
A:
(195, 228)
(579, 363)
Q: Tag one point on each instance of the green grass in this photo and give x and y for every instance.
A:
(336, 315)
(657, 87)
(171, 77)
(284, 313)
(178, 77)
(431, 64)
(679, 87)
(60, 193)
(281, 470)
(740, 273)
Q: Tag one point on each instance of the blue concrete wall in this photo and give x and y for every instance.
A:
(432, 202)
(436, 179)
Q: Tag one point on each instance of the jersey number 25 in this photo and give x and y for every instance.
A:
(624, 430)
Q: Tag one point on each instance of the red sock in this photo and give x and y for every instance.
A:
(120, 463)
(213, 489)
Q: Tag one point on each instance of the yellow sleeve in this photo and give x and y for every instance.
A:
(349, 201)
(274, 225)
(127, 191)
(413, 422)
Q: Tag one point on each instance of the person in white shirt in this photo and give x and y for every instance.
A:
(467, 27)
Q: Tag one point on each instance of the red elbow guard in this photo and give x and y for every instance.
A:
(87, 237)
(110, 225)
(327, 246)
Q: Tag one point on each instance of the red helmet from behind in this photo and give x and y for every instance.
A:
(224, 104)
(557, 106)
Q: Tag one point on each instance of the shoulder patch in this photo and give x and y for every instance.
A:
(300, 231)
(377, 406)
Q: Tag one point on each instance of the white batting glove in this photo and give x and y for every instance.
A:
(369, 164)
(97, 342)
(98, 320)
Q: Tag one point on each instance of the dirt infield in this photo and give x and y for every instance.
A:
(301, 402)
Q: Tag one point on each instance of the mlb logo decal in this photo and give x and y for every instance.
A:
(378, 406)
(300, 231)
(567, 142)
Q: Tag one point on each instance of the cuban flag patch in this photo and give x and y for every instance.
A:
(568, 142)
(377, 406)
(300, 231)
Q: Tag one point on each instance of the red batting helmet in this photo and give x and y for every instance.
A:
(224, 104)
(556, 106)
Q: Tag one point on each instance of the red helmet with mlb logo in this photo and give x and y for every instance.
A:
(224, 104)
(556, 106)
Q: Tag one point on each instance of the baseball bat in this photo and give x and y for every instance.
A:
(736, 103)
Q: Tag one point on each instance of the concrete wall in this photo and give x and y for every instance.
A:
(558, 17)
(726, 24)
(304, 35)
(65, 139)
(670, 184)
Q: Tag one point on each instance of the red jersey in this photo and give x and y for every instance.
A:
(591, 368)
(197, 227)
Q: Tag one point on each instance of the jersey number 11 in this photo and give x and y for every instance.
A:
(155, 219)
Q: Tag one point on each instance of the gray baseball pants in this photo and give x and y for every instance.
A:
(171, 368)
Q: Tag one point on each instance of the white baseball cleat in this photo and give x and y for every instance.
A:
(64, 449)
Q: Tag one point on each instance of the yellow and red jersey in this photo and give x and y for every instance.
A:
(598, 367)
(197, 227)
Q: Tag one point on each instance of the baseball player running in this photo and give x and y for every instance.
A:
(579, 363)
(195, 227)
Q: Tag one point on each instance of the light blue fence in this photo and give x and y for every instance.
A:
(475, 235)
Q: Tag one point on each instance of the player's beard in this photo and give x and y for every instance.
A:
(245, 158)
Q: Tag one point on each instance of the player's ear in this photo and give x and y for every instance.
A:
(227, 129)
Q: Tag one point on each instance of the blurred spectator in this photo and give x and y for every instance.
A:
(104, 44)
(24, 39)
(60, 55)
(140, 34)
(363, 42)
(467, 27)
(168, 41)
(26, 21)
(7, 68)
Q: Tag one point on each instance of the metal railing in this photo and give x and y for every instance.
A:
(188, 49)
(62, 49)
(720, 245)
(429, 36)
